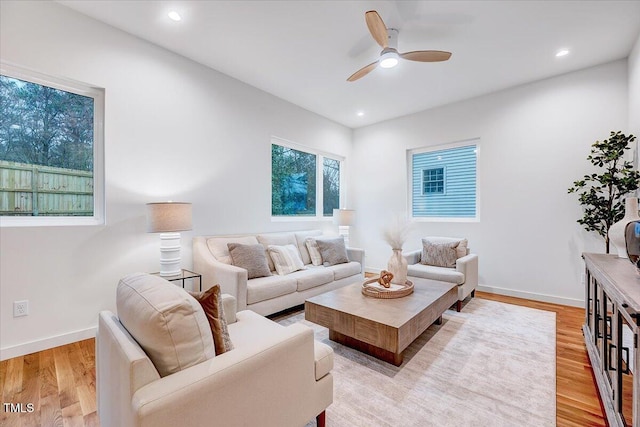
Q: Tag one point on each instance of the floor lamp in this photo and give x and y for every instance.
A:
(344, 218)
(168, 219)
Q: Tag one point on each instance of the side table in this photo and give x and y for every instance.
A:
(182, 276)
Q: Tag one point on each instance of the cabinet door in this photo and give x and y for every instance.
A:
(590, 309)
(609, 345)
(627, 361)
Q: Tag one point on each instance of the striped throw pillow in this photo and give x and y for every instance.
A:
(314, 251)
(285, 258)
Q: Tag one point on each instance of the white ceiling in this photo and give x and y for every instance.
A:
(303, 51)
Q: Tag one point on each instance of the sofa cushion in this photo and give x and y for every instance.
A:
(462, 248)
(250, 257)
(340, 271)
(439, 254)
(301, 240)
(312, 277)
(332, 250)
(444, 274)
(220, 250)
(278, 239)
(323, 357)
(167, 322)
(314, 251)
(252, 328)
(264, 288)
(286, 259)
(211, 302)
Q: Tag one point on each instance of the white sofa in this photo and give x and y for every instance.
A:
(271, 294)
(275, 376)
(464, 274)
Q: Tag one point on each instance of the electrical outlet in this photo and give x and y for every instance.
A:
(20, 308)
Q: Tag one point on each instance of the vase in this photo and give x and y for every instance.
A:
(632, 243)
(617, 230)
(397, 266)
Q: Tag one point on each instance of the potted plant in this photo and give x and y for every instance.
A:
(601, 194)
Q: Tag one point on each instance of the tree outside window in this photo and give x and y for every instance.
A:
(302, 182)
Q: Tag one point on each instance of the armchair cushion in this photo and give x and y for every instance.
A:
(444, 274)
(250, 257)
(166, 321)
(323, 355)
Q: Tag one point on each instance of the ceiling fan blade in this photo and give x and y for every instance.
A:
(362, 72)
(377, 28)
(426, 55)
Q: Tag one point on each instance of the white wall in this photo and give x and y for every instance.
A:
(634, 90)
(534, 140)
(173, 130)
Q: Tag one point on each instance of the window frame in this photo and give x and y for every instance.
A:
(79, 88)
(320, 156)
(458, 144)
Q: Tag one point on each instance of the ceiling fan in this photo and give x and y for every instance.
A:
(387, 38)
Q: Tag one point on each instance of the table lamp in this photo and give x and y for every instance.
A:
(344, 218)
(168, 219)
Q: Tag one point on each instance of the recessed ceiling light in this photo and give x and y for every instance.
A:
(174, 16)
(562, 52)
(360, 113)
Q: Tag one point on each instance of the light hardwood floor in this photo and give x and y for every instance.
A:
(60, 382)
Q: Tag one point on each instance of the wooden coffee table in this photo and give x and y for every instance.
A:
(382, 328)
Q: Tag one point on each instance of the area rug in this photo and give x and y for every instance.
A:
(493, 364)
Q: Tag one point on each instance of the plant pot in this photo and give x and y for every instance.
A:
(397, 266)
(632, 243)
(617, 230)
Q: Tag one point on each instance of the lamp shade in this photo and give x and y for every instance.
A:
(344, 217)
(168, 217)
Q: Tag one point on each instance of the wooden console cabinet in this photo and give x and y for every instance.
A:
(612, 316)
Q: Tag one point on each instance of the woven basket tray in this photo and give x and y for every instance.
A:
(378, 291)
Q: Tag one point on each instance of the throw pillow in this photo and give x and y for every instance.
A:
(439, 254)
(286, 259)
(314, 251)
(250, 257)
(333, 251)
(462, 248)
(211, 302)
(169, 325)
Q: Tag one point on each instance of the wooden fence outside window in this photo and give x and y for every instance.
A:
(34, 190)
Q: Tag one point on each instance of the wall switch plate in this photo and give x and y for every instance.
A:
(20, 308)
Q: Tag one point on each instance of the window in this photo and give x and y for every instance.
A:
(304, 183)
(433, 181)
(51, 162)
(443, 182)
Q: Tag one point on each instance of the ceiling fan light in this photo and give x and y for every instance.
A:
(389, 59)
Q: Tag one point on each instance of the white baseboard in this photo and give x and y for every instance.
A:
(532, 296)
(518, 294)
(47, 343)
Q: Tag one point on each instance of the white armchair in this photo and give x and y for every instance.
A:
(275, 376)
(464, 274)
